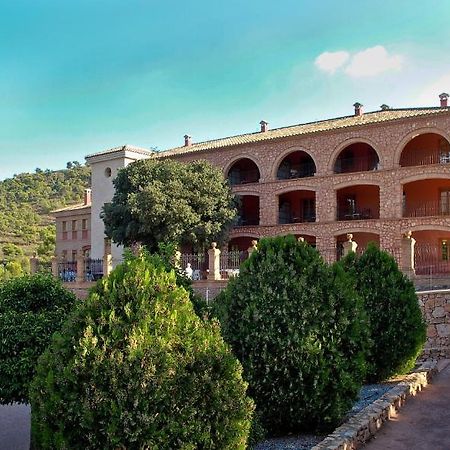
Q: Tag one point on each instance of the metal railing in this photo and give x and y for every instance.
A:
(236, 177)
(195, 265)
(67, 271)
(357, 164)
(425, 208)
(230, 263)
(424, 158)
(356, 214)
(301, 170)
(93, 269)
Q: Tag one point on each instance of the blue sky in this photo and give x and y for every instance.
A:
(77, 77)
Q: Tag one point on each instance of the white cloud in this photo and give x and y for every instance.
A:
(331, 61)
(373, 61)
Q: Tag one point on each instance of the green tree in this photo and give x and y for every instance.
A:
(298, 328)
(396, 326)
(167, 201)
(32, 308)
(134, 367)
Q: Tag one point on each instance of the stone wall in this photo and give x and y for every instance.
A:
(436, 308)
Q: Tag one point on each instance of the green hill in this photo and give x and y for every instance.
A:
(25, 203)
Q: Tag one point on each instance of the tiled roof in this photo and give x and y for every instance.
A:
(131, 148)
(307, 128)
(71, 208)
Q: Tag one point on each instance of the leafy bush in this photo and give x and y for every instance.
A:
(32, 308)
(397, 329)
(297, 327)
(134, 367)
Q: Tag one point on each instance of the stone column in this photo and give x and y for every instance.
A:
(350, 245)
(253, 247)
(55, 267)
(34, 263)
(214, 262)
(407, 254)
(80, 269)
(107, 264)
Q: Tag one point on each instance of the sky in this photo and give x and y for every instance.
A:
(78, 77)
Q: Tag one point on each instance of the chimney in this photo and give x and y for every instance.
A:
(87, 197)
(358, 109)
(443, 97)
(187, 140)
(384, 107)
(264, 126)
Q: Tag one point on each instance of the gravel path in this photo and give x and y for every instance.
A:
(368, 394)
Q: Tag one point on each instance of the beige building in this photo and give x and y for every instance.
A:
(73, 230)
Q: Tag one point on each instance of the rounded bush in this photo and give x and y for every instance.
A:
(32, 308)
(297, 327)
(134, 367)
(396, 326)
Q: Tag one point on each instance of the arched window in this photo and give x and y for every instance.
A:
(243, 171)
(427, 148)
(297, 164)
(357, 157)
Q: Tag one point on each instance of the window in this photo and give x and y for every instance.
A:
(108, 172)
(444, 250)
(74, 255)
(74, 225)
(84, 224)
(64, 226)
(444, 203)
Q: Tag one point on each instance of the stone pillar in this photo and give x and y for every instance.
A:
(214, 262)
(253, 247)
(34, 264)
(80, 269)
(349, 245)
(407, 254)
(55, 267)
(107, 264)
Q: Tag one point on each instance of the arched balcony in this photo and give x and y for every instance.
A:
(357, 157)
(426, 198)
(297, 164)
(360, 202)
(248, 210)
(297, 207)
(243, 171)
(428, 148)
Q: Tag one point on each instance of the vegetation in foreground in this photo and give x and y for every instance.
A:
(396, 325)
(134, 367)
(298, 328)
(32, 308)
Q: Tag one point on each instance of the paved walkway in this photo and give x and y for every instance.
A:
(15, 427)
(423, 423)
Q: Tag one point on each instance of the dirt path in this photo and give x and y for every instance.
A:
(423, 423)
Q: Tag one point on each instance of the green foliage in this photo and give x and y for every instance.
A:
(134, 367)
(297, 326)
(397, 328)
(26, 200)
(167, 201)
(32, 308)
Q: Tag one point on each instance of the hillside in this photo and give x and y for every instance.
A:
(25, 203)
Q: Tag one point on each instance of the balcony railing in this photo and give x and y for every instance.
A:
(67, 271)
(430, 260)
(243, 177)
(424, 158)
(305, 218)
(195, 265)
(358, 164)
(302, 170)
(230, 263)
(355, 214)
(93, 269)
(423, 209)
(247, 221)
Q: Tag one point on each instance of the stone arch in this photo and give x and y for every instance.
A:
(284, 154)
(347, 143)
(240, 158)
(413, 134)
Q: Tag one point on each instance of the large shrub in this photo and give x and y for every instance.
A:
(32, 308)
(134, 367)
(297, 327)
(397, 328)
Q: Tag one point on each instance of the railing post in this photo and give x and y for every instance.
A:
(214, 262)
(407, 254)
(253, 247)
(55, 266)
(34, 262)
(350, 245)
(107, 264)
(80, 269)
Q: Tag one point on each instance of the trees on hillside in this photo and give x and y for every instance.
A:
(167, 201)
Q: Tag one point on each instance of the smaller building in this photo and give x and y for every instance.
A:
(73, 230)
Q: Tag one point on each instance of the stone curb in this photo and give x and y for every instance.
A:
(363, 426)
